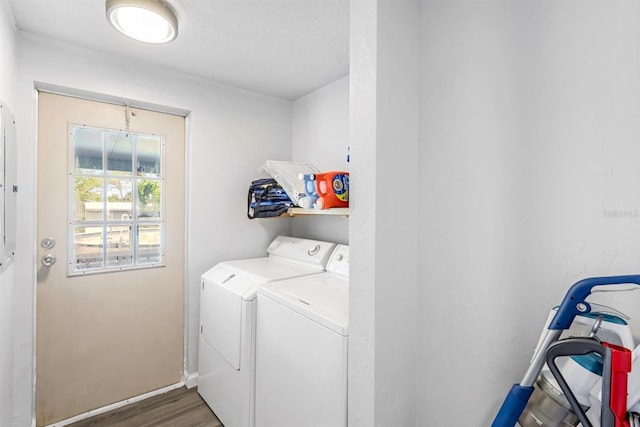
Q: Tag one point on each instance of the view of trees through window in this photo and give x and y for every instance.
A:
(85, 190)
(117, 191)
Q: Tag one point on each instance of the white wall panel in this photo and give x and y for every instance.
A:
(384, 213)
(529, 182)
(7, 278)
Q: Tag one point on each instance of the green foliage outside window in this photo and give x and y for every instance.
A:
(88, 189)
(149, 192)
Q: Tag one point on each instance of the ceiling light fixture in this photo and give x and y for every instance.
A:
(149, 21)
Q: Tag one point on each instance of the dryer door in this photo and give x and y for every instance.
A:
(221, 302)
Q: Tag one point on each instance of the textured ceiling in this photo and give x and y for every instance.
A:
(285, 48)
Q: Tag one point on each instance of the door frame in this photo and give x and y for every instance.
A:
(187, 378)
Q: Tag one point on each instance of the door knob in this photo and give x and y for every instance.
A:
(48, 260)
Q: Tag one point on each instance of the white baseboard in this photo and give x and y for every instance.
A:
(116, 405)
(190, 380)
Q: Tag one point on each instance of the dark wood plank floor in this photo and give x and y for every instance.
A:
(178, 408)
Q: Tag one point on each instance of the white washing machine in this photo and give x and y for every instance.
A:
(301, 348)
(226, 372)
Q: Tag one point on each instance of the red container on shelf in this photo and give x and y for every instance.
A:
(333, 189)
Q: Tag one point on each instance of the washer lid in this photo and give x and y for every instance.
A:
(260, 270)
(323, 298)
(221, 301)
(233, 280)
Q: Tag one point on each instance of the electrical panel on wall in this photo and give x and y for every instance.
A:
(8, 186)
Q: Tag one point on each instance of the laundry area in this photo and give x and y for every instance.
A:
(322, 213)
(245, 354)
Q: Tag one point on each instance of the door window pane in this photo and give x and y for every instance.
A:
(149, 247)
(149, 149)
(119, 251)
(110, 202)
(149, 197)
(88, 198)
(87, 150)
(88, 245)
(119, 199)
(119, 153)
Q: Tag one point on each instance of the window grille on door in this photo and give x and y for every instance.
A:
(116, 204)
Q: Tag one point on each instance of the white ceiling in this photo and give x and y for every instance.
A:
(285, 48)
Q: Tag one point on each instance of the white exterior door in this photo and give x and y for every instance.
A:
(110, 321)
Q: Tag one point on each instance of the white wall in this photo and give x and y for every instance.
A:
(7, 279)
(384, 213)
(231, 133)
(529, 154)
(7, 52)
(320, 136)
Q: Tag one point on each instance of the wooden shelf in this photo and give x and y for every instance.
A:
(303, 211)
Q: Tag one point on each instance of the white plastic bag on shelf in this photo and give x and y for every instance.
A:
(288, 176)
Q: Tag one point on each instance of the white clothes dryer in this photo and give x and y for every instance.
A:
(301, 348)
(226, 372)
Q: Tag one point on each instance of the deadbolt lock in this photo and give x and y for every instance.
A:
(48, 243)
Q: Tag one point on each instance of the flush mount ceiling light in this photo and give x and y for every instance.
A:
(149, 21)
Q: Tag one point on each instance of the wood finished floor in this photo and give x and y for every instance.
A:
(178, 408)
